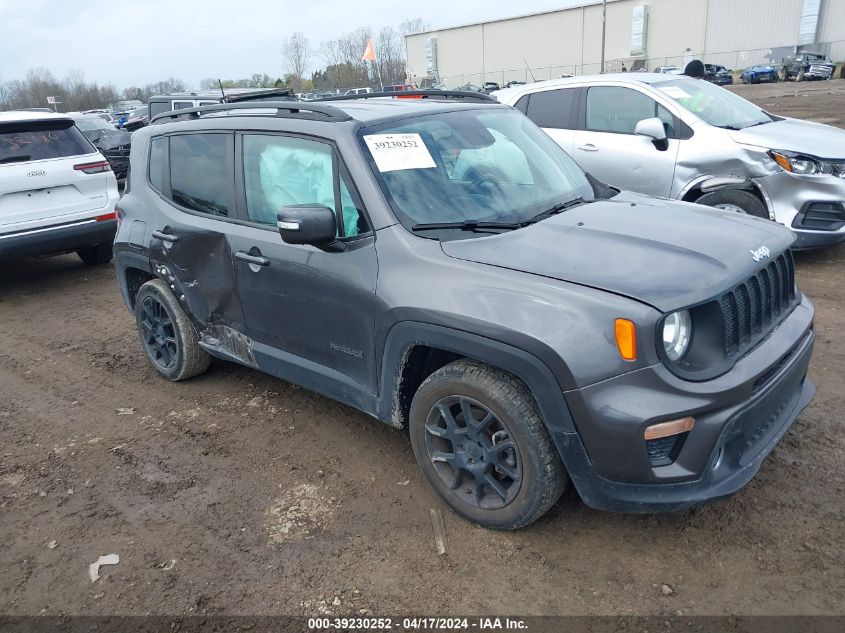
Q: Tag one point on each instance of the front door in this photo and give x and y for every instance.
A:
(314, 307)
(608, 149)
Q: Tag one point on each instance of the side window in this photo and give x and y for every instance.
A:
(281, 171)
(615, 109)
(668, 121)
(522, 104)
(551, 108)
(158, 162)
(200, 172)
(182, 105)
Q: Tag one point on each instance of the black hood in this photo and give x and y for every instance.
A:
(109, 139)
(664, 253)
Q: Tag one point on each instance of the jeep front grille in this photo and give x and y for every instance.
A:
(751, 309)
(819, 69)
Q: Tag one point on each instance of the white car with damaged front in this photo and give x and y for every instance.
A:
(683, 138)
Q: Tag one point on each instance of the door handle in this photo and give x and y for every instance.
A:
(589, 147)
(165, 237)
(258, 260)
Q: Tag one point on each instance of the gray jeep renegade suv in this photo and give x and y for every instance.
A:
(442, 265)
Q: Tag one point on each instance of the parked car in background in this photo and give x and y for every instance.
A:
(113, 144)
(358, 91)
(491, 86)
(807, 65)
(399, 88)
(159, 104)
(683, 138)
(57, 192)
(668, 70)
(758, 74)
(447, 268)
(468, 87)
(106, 115)
(137, 119)
(718, 75)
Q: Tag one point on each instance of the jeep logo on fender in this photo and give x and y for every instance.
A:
(36, 172)
(761, 253)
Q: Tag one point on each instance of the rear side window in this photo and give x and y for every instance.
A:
(551, 108)
(40, 140)
(158, 107)
(201, 172)
(158, 162)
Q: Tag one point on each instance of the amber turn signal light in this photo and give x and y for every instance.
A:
(665, 429)
(626, 339)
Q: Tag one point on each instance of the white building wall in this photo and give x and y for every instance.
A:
(741, 33)
(832, 28)
(735, 33)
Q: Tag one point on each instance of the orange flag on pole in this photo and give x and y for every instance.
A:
(370, 53)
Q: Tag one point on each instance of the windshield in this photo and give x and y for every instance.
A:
(89, 124)
(479, 165)
(715, 105)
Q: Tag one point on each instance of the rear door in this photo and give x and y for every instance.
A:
(555, 112)
(608, 149)
(48, 175)
(193, 175)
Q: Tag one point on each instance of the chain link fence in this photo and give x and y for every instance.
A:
(734, 60)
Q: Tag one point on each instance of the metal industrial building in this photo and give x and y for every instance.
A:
(639, 33)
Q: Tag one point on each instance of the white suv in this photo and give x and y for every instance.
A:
(57, 192)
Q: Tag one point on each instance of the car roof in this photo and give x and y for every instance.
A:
(14, 116)
(387, 108)
(632, 78)
(362, 111)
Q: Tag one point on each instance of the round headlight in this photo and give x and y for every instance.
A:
(677, 328)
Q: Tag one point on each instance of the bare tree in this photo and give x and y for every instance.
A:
(297, 54)
(413, 25)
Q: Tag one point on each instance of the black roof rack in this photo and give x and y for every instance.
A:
(422, 94)
(290, 109)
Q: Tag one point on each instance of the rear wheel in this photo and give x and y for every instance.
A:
(735, 200)
(167, 335)
(480, 442)
(800, 75)
(96, 253)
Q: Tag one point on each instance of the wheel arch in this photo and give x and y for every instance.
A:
(708, 184)
(414, 350)
(133, 271)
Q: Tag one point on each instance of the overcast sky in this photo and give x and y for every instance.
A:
(141, 41)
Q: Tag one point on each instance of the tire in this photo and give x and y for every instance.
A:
(526, 468)
(96, 253)
(800, 76)
(735, 200)
(166, 334)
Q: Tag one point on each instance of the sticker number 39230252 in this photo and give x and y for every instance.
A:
(393, 152)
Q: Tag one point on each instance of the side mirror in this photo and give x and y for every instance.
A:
(307, 224)
(652, 128)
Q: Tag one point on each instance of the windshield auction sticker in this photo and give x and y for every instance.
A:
(393, 152)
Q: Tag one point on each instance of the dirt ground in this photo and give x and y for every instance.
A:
(236, 493)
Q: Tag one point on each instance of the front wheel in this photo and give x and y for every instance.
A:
(167, 335)
(479, 441)
(96, 253)
(735, 200)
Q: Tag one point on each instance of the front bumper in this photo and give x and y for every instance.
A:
(740, 417)
(61, 238)
(787, 194)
